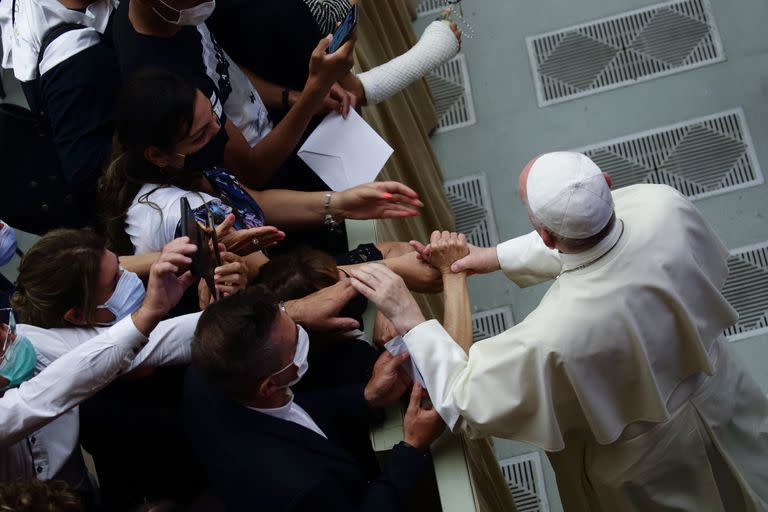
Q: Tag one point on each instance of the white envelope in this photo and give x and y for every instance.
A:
(345, 153)
(396, 346)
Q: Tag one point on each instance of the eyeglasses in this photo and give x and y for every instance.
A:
(11, 330)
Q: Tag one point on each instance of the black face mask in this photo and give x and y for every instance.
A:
(210, 155)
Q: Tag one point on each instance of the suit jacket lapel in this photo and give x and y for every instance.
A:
(291, 432)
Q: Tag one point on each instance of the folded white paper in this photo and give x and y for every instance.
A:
(345, 153)
(396, 346)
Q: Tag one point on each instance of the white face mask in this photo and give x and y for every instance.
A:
(127, 297)
(299, 359)
(192, 16)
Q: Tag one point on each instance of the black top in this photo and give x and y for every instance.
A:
(180, 53)
(78, 97)
(259, 462)
(272, 38)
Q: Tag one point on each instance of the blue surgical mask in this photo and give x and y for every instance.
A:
(7, 244)
(127, 297)
(18, 362)
(299, 359)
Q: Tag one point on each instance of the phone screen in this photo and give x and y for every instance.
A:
(342, 31)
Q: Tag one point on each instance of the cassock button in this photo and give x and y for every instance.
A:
(32, 440)
(39, 469)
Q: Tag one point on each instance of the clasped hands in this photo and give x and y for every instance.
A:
(388, 291)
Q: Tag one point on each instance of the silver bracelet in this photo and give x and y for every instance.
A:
(328, 220)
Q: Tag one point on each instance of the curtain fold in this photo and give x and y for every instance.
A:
(405, 121)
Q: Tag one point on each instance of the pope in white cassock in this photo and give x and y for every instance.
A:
(622, 373)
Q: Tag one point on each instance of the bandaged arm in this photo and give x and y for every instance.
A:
(437, 45)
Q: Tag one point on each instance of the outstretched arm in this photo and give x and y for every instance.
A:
(445, 249)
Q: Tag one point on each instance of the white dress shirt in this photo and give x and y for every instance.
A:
(293, 412)
(39, 423)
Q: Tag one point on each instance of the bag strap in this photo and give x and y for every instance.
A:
(51, 35)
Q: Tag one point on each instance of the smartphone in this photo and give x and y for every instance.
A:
(201, 265)
(343, 31)
(214, 239)
(190, 229)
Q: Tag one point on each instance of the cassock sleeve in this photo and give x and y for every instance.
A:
(503, 388)
(526, 261)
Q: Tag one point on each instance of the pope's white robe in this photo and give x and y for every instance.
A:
(621, 373)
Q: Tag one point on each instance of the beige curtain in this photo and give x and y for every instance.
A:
(404, 121)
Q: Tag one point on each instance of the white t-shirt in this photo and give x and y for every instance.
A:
(21, 42)
(149, 229)
(242, 104)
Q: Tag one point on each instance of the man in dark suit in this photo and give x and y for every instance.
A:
(266, 449)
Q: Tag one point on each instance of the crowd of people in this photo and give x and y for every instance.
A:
(256, 389)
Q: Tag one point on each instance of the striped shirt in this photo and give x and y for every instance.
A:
(328, 13)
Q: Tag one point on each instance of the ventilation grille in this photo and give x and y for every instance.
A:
(491, 322)
(659, 40)
(428, 7)
(747, 290)
(471, 205)
(452, 94)
(700, 158)
(526, 481)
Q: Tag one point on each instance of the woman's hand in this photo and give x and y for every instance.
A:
(445, 249)
(325, 69)
(339, 100)
(232, 275)
(380, 200)
(246, 241)
(388, 292)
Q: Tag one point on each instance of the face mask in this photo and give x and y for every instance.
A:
(127, 297)
(210, 155)
(18, 362)
(299, 359)
(192, 16)
(7, 244)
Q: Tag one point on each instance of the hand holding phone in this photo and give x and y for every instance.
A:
(202, 266)
(343, 31)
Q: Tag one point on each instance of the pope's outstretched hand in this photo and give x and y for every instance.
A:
(390, 295)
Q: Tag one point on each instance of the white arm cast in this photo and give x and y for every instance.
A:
(437, 45)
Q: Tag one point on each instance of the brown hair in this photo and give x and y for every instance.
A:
(299, 273)
(154, 108)
(59, 272)
(231, 347)
(37, 496)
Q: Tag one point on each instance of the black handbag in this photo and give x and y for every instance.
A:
(35, 196)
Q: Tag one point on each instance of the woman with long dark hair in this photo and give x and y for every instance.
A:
(162, 123)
